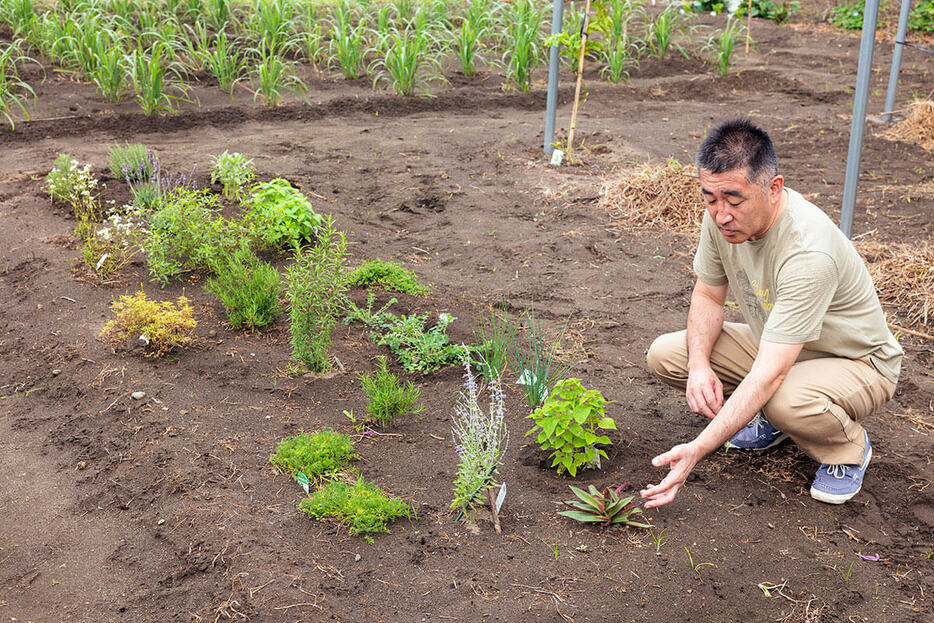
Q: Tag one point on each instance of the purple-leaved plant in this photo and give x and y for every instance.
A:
(480, 441)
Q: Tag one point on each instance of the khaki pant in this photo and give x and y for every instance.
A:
(817, 405)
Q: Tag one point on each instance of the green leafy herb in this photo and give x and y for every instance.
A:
(280, 214)
(567, 423)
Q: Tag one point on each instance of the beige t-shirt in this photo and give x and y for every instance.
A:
(803, 283)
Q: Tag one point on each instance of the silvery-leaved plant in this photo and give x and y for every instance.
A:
(480, 440)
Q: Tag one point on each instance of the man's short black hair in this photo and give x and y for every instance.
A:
(739, 144)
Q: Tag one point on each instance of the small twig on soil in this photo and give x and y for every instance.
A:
(307, 603)
(257, 589)
(899, 329)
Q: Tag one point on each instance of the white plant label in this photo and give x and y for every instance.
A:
(500, 497)
(557, 157)
(526, 378)
(302, 481)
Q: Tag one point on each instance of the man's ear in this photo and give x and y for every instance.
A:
(776, 186)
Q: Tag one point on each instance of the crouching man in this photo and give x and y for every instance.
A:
(815, 355)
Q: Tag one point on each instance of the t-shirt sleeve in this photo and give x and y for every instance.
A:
(707, 263)
(804, 288)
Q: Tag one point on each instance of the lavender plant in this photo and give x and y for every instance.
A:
(149, 184)
(480, 439)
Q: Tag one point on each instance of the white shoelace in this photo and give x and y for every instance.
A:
(837, 471)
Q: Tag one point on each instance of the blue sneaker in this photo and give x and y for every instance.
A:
(757, 435)
(835, 484)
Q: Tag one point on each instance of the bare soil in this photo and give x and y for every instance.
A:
(166, 508)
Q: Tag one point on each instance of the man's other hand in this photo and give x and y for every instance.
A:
(682, 459)
(704, 392)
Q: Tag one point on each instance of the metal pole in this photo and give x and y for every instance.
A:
(551, 104)
(900, 35)
(858, 126)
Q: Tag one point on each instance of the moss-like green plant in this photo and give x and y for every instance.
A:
(388, 398)
(387, 275)
(163, 326)
(362, 506)
(319, 454)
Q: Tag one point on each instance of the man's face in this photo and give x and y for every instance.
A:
(741, 210)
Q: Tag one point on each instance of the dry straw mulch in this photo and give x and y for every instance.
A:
(664, 196)
(904, 278)
(917, 127)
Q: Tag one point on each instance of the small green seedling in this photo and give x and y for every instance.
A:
(658, 538)
(696, 566)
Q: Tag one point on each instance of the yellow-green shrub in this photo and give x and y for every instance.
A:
(163, 326)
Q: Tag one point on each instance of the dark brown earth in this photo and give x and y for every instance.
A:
(166, 508)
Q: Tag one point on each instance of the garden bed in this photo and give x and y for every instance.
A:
(166, 508)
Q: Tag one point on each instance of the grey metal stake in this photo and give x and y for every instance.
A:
(858, 125)
(900, 35)
(551, 104)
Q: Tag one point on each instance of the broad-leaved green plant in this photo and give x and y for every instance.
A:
(567, 423)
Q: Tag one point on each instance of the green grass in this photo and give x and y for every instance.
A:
(324, 453)
(362, 506)
(387, 397)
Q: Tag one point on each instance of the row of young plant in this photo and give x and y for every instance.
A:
(179, 229)
(151, 50)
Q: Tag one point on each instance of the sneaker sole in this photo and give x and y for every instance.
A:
(775, 442)
(839, 498)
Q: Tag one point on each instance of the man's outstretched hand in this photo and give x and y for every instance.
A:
(682, 459)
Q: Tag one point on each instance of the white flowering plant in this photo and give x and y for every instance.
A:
(480, 439)
(61, 179)
(111, 244)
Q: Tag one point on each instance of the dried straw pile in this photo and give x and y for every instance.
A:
(666, 196)
(918, 127)
(904, 278)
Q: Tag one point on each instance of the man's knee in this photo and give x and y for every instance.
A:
(667, 356)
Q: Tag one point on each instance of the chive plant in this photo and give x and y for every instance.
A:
(523, 42)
